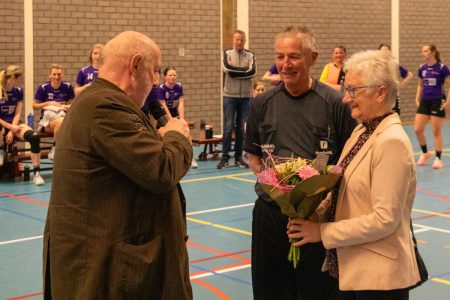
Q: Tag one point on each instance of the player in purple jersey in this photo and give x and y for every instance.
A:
(431, 102)
(153, 95)
(11, 105)
(89, 73)
(404, 74)
(272, 75)
(54, 98)
(171, 96)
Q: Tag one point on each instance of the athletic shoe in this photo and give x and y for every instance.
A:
(437, 163)
(222, 164)
(2, 157)
(423, 158)
(194, 164)
(38, 180)
(239, 162)
(51, 154)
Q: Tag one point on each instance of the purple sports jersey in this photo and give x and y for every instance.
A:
(403, 72)
(8, 105)
(64, 93)
(273, 69)
(171, 96)
(86, 75)
(433, 79)
(153, 96)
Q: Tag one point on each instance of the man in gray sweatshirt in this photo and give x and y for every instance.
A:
(239, 66)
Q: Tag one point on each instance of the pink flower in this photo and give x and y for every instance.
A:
(336, 169)
(268, 176)
(307, 172)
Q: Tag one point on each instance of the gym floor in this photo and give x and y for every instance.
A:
(220, 204)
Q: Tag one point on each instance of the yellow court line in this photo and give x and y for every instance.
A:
(215, 177)
(219, 226)
(431, 213)
(242, 179)
(440, 280)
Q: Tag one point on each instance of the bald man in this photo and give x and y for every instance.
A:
(115, 227)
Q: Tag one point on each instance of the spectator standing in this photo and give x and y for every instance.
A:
(239, 66)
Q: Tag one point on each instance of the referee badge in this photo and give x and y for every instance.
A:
(323, 145)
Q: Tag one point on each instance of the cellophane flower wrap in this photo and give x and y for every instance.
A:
(298, 186)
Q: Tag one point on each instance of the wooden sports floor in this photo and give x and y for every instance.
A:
(220, 204)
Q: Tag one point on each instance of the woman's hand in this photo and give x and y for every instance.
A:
(304, 230)
(10, 136)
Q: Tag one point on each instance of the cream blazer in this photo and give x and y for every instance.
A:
(371, 233)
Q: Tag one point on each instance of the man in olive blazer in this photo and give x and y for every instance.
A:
(115, 228)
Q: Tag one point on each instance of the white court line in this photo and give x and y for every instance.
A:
(431, 228)
(22, 240)
(424, 228)
(219, 209)
(207, 274)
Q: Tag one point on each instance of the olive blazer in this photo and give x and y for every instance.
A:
(115, 227)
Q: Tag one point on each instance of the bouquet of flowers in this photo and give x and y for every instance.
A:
(298, 186)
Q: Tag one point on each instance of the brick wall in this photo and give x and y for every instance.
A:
(188, 32)
(65, 30)
(11, 38)
(420, 25)
(358, 25)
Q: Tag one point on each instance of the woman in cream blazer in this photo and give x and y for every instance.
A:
(369, 220)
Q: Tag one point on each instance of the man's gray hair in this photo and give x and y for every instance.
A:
(300, 32)
(376, 68)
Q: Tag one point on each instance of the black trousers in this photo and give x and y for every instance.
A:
(273, 275)
(401, 294)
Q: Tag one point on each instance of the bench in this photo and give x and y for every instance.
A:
(211, 150)
(13, 153)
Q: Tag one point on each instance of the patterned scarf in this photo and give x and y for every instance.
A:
(370, 128)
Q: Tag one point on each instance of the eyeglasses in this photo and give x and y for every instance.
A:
(351, 90)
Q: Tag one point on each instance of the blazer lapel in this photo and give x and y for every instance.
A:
(388, 121)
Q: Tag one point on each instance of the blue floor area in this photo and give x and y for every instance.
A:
(220, 204)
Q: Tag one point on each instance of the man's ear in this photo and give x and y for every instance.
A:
(314, 56)
(134, 65)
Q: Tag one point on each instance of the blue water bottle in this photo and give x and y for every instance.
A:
(31, 120)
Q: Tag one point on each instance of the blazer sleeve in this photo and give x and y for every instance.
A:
(121, 136)
(392, 172)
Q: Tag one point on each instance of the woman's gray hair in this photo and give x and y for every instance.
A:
(376, 68)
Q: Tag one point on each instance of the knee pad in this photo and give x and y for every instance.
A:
(34, 140)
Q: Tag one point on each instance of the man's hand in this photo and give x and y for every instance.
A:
(180, 126)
